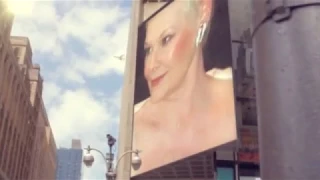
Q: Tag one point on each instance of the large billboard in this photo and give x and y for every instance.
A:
(184, 96)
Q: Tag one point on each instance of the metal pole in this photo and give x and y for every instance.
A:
(126, 116)
(287, 63)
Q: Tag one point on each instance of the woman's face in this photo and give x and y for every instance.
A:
(169, 50)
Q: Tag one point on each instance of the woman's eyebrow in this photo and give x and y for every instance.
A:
(165, 32)
(162, 34)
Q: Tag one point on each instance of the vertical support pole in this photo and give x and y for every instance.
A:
(215, 166)
(126, 116)
(287, 63)
(236, 165)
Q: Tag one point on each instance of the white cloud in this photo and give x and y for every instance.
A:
(101, 45)
(68, 74)
(87, 23)
(50, 92)
(117, 99)
(77, 110)
(40, 25)
(80, 114)
(102, 30)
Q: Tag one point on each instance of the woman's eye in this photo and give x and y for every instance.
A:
(166, 39)
(147, 51)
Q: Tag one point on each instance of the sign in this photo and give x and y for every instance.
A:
(249, 150)
(184, 97)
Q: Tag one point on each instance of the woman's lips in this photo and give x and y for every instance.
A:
(156, 81)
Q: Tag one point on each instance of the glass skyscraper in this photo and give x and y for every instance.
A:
(69, 162)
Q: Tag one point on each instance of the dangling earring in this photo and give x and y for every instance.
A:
(201, 32)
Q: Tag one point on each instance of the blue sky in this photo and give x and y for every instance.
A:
(75, 43)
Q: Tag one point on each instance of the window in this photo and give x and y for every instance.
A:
(14, 80)
(1, 129)
(10, 68)
(225, 173)
(16, 52)
(9, 146)
(1, 114)
(13, 160)
(19, 157)
(249, 113)
(6, 60)
(249, 170)
(249, 178)
(3, 140)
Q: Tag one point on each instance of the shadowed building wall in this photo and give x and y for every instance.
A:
(44, 152)
(20, 92)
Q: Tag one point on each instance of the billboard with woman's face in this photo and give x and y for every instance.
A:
(184, 97)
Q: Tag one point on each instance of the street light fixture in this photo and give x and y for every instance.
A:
(136, 161)
(111, 174)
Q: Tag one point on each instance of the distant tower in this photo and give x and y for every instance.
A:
(70, 162)
(76, 144)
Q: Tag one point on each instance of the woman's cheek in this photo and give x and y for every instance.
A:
(146, 69)
(182, 46)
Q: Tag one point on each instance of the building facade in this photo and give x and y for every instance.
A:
(20, 109)
(44, 150)
(69, 162)
(19, 103)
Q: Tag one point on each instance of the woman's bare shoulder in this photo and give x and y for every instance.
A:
(141, 114)
(223, 89)
(221, 74)
(222, 85)
(140, 105)
(141, 123)
(222, 79)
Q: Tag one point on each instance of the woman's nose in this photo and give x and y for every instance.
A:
(154, 69)
(152, 63)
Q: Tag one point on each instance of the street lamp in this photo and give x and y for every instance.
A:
(88, 158)
(136, 161)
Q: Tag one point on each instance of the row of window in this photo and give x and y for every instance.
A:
(227, 170)
(16, 133)
(4, 23)
(43, 168)
(14, 150)
(9, 78)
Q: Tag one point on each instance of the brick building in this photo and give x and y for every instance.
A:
(20, 108)
(44, 152)
(20, 92)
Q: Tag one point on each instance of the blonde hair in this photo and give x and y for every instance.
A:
(192, 8)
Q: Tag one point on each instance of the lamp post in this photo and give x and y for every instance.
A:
(111, 173)
(286, 54)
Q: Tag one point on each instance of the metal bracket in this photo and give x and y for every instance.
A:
(281, 10)
(278, 9)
